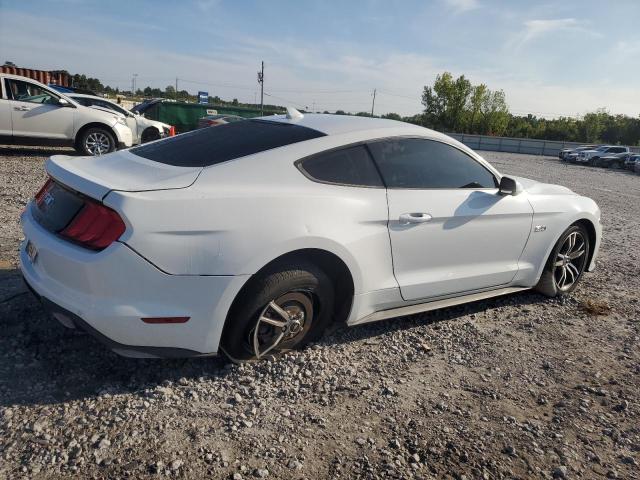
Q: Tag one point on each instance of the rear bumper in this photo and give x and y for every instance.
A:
(108, 293)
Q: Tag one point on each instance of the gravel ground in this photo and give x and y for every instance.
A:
(514, 387)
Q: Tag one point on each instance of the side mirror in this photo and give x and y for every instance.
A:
(63, 103)
(509, 186)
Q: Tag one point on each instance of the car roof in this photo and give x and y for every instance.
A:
(331, 124)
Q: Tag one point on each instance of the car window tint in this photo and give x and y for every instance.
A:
(28, 92)
(346, 166)
(420, 163)
(209, 146)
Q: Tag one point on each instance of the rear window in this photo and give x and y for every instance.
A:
(209, 146)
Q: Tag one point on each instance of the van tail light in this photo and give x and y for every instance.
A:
(95, 226)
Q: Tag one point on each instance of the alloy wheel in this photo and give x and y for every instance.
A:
(97, 143)
(282, 323)
(570, 261)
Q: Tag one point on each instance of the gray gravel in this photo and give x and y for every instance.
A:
(515, 387)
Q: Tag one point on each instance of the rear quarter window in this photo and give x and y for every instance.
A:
(209, 146)
(352, 166)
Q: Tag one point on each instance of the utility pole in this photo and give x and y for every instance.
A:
(176, 89)
(133, 84)
(374, 101)
(261, 82)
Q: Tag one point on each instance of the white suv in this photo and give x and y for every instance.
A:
(33, 114)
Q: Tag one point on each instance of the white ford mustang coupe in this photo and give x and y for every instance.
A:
(252, 237)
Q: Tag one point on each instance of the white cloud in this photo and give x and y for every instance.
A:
(534, 29)
(461, 6)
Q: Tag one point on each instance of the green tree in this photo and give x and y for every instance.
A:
(392, 116)
(445, 103)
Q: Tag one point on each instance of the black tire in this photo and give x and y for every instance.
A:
(288, 285)
(548, 284)
(594, 162)
(94, 140)
(149, 135)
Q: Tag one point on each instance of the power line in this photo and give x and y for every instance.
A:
(291, 102)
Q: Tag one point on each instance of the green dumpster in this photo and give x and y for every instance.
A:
(184, 116)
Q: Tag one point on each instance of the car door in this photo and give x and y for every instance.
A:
(450, 230)
(5, 113)
(35, 112)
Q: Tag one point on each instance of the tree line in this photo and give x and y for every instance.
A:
(455, 105)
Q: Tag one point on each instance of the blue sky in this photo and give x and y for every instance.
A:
(551, 58)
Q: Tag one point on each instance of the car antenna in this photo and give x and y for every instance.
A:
(293, 114)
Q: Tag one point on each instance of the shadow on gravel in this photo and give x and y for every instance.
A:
(19, 151)
(346, 334)
(42, 362)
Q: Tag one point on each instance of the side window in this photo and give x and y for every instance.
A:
(421, 163)
(105, 104)
(29, 92)
(346, 166)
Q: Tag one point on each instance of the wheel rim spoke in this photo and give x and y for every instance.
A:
(282, 321)
(283, 314)
(576, 255)
(563, 277)
(570, 260)
(273, 321)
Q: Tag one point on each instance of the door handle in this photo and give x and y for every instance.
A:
(407, 218)
(21, 108)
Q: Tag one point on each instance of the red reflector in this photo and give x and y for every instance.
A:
(96, 226)
(45, 188)
(165, 319)
(172, 131)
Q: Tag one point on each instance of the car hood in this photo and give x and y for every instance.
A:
(122, 170)
(538, 188)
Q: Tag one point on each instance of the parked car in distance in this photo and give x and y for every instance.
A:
(636, 167)
(33, 114)
(631, 161)
(215, 120)
(566, 152)
(143, 129)
(591, 156)
(252, 237)
(614, 160)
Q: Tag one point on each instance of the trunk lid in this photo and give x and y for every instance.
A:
(123, 171)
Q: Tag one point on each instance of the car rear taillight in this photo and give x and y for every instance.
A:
(41, 193)
(94, 226)
(172, 131)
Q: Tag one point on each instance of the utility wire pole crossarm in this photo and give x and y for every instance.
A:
(261, 82)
